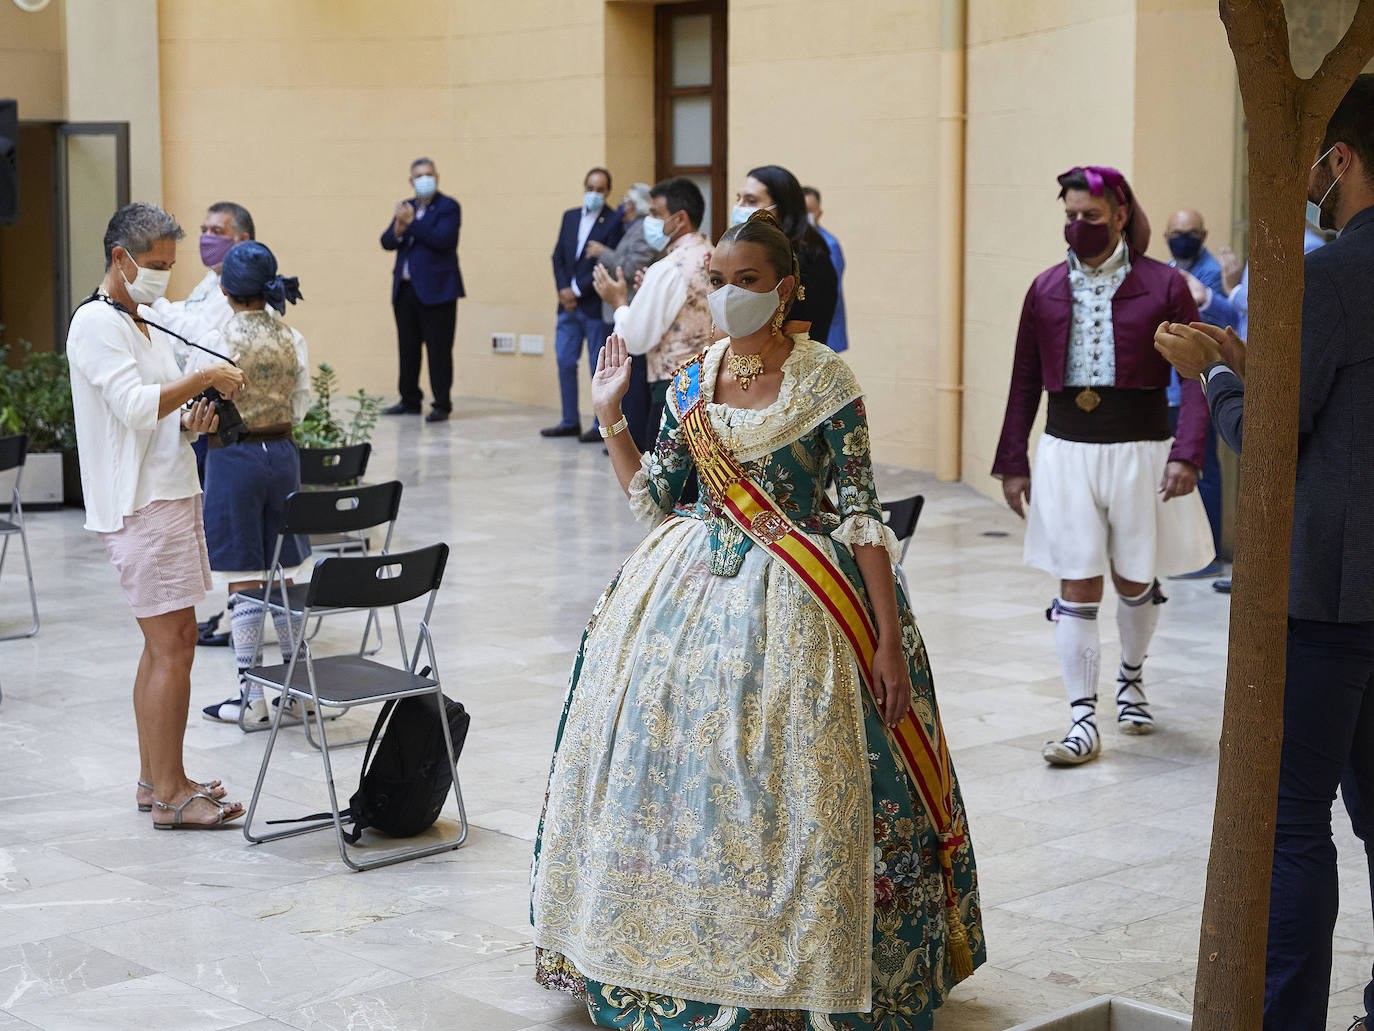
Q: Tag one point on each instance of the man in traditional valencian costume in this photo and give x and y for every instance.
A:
(1114, 492)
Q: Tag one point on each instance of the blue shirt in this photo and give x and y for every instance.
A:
(838, 337)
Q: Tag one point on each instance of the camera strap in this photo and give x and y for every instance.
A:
(96, 295)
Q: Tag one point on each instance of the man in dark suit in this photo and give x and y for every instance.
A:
(1328, 705)
(579, 307)
(425, 287)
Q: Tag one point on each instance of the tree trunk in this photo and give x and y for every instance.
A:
(1287, 118)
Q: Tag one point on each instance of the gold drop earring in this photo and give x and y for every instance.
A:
(777, 320)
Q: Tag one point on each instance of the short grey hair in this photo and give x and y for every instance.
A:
(639, 197)
(422, 161)
(136, 227)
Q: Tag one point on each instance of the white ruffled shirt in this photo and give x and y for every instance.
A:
(1091, 360)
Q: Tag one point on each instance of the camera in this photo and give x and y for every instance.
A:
(232, 428)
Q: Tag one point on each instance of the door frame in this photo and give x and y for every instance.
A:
(62, 311)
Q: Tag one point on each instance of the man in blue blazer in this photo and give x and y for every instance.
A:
(1328, 703)
(579, 307)
(425, 287)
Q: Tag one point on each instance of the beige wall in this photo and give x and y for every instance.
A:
(31, 62)
(845, 96)
(516, 100)
(1161, 108)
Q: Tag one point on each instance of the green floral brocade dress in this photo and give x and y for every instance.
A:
(729, 839)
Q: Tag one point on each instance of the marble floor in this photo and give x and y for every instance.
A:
(1091, 878)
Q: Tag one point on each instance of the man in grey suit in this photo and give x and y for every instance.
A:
(1328, 706)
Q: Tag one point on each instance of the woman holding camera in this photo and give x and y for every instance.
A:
(138, 475)
(247, 483)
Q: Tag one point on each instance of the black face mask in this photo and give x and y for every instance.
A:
(1185, 247)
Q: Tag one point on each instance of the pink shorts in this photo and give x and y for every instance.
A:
(161, 557)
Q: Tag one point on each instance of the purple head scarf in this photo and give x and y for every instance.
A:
(1102, 178)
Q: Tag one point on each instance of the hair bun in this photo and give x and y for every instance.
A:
(766, 215)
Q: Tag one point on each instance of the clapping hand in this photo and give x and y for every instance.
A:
(1231, 268)
(1195, 286)
(405, 215)
(611, 380)
(1192, 348)
(615, 291)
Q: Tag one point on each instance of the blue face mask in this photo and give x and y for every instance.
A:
(1185, 248)
(654, 235)
(593, 201)
(739, 213)
(425, 186)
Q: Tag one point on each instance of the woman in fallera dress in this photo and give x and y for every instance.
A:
(751, 822)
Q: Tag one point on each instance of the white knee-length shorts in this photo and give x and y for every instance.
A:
(1098, 507)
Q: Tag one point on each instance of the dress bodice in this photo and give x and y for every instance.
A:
(816, 425)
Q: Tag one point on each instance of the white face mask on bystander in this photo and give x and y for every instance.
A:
(148, 284)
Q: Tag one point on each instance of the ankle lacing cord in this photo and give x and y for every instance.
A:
(1135, 712)
(1087, 723)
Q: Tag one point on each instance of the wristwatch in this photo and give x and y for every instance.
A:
(1211, 371)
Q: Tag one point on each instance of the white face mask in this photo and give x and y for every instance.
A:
(149, 283)
(739, 311)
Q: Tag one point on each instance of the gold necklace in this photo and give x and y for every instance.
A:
(745, 367)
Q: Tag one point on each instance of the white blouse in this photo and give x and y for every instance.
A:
(129, 457)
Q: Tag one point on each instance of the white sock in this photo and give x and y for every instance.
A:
(286, 631)
(1080, 657)
(243, 630)
(1136, 619)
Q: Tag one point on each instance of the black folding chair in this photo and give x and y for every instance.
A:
(336, 467)
(343, 681)
(13, 451)
(347, 510)
(902, 517)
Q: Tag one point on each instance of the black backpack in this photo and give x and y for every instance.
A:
(402, 789)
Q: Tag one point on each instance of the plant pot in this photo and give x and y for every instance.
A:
(42, 484)
(71, 480)
(1109, 1013)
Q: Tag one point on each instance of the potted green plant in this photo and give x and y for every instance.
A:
(322, 428)
(36, 400)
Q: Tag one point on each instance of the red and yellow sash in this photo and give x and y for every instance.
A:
(925, 755)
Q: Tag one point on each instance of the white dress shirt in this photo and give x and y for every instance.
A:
(643, 321)
(584, 230)
(205, 310)
(129, 457)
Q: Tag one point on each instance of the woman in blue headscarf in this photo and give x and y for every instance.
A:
(246, 484)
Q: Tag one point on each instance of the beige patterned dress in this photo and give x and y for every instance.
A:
(729, 838)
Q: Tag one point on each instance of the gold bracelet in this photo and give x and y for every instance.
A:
(620, 427)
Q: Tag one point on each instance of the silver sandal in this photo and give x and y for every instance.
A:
(178, 825)
(208, 786)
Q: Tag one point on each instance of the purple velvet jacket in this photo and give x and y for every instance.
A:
(1150, 294)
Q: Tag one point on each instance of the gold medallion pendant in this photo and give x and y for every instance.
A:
(1088, 399)
(744, 367)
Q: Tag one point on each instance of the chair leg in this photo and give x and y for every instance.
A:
(257, 790)
(28, 569)
(901, 578)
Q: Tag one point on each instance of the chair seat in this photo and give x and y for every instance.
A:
(345, 680)
(8, 527)
(339, 543)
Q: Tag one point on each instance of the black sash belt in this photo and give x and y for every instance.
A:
(1121, 416)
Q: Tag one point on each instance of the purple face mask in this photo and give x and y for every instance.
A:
(213, 248)
(1088, 239)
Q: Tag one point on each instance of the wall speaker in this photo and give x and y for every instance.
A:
(9, 160)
